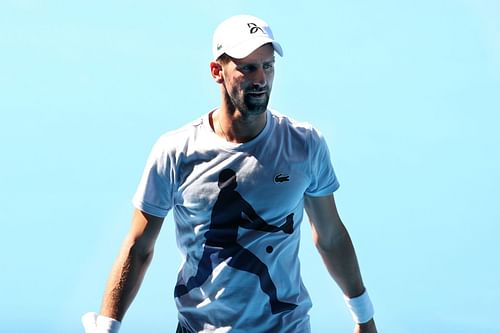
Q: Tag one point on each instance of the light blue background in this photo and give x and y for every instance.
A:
(406, 92)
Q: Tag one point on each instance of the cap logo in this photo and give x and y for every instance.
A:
(254, 28)
(219, 46)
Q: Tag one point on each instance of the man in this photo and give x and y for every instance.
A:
(238, 180)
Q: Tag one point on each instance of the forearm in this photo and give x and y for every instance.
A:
(124, 280)
(340, 259)
(335, 247)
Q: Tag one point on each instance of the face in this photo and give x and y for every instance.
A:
(248, 81)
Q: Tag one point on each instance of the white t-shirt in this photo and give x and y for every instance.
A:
(237, 210)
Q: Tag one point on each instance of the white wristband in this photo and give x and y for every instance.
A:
(108, 325)
(361, 308)
(94, 323)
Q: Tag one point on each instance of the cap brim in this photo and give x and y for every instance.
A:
(244, 49)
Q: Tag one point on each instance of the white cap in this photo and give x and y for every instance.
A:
(240, 35)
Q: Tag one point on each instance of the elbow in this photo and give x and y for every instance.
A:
(323, 245)
(141, 255)
(144, 255)
(330, 242)
(138, 252)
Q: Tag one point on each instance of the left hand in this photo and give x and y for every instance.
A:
(368, 327)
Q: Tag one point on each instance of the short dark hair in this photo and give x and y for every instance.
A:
(224, 59)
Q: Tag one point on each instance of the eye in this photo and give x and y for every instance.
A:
(268, 66)
(247, 68)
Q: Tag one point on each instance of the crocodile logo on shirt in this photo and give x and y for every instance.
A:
(281, 178)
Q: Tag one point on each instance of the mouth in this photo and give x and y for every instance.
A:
(257, 94)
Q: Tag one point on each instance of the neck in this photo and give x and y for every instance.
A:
(236, 126)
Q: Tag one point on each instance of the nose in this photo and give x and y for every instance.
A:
(259, 77)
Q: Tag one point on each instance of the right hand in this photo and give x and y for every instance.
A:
(95, 323)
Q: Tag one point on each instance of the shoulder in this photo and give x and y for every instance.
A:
(178, 140)
(172, 147)
(296, 129)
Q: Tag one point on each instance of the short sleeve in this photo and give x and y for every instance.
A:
(154, 193)
(323, 178)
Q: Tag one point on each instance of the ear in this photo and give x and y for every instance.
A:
(216, 71)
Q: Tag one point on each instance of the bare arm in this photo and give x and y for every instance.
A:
(335, 247)
(131, 265)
